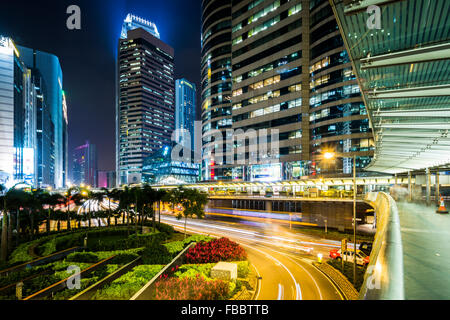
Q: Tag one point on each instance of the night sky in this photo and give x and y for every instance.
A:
(87, 56)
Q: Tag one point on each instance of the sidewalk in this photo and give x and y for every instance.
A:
(426, 252)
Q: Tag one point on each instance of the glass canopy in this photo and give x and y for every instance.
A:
(403, 70)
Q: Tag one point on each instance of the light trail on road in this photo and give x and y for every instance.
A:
(294, 275)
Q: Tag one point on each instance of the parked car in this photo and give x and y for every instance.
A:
(366, 247)
(361, 258)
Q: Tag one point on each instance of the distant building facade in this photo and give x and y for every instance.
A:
(161, 169)
(85, 165)
(106, 179)
(145, 100)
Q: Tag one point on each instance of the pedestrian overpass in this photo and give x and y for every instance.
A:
(400, 51)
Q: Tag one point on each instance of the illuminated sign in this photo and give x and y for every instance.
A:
(266, 172)
(28, 165)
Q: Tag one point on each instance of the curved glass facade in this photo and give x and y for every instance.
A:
(338, 117)
(216, 86)
(280, 66)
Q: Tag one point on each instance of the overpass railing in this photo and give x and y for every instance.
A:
(384, 277)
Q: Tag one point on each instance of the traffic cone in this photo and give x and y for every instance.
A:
(442, 208)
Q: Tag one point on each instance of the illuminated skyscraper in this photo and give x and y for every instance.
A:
(146, 100)
(50, 71)
(33, 124)
(185, 104)
(280, 64)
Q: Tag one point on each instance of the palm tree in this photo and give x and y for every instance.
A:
(109, 195)
(126, 199)
(98, 196)
(150, 199)
(193, 202)
(160, 196)
(34, 205)
(69, 198)
(16, 199)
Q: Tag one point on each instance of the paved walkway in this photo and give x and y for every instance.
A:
(426, 252)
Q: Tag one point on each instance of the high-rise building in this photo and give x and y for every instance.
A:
(50, 72)
(85, 165)
(290, 76)
(146, 101)
(185, 104)
(31, 103)
(216, 88)
(17, 120)
(106, 179)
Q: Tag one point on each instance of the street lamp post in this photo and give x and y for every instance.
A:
(354, 220)
(330, 156)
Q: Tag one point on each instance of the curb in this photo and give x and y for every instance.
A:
(338, 288)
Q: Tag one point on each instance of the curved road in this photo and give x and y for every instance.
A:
(286, 269)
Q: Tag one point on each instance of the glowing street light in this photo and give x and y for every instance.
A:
(329, 155)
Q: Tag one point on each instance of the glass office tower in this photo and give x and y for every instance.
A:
(146, 101)
(216, 88)
(50, 70)
(291, 76)
(185, 104)
(18, 117)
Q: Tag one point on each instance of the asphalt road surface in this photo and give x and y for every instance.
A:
(284, 263)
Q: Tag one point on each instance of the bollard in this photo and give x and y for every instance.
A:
(19, 290)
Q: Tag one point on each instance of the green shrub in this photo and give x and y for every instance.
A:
(124, 258)
(197, 238)
(156, 254)
(165, 228)
(193, 270)
(177, 246)
(48, 248)
(131, 242)
(348, 272)
(102, 255)
(243, 269)
(130, 283)
(174, 247)
(21, 253)
(86, 257)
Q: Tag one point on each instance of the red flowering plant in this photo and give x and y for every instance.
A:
(196, 288)
(214, 251)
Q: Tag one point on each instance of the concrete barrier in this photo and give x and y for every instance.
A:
(384, 277)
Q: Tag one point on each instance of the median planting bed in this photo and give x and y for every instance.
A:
(117, 263)
(193, 281)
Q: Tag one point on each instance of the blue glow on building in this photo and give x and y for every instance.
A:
(50, 69)
(132, 22)
(185, 101)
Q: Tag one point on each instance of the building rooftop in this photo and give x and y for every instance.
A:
(132, 22)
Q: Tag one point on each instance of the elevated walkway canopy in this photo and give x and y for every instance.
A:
(403, 70)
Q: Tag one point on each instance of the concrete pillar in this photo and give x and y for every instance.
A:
(396, 179)
(268, 206)
(428, 195)
(409, 186)
(438, 190)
